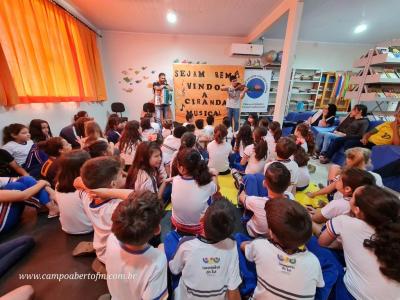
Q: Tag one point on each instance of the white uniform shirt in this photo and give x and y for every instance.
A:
(283, 276)
(144, 272)
(73, 217)
(293, 169)
(219, 155)
(18, 151)
(254, 166)
(169, 147)
(189, 200)
(208, 270)
(100, 216)
(363, 279)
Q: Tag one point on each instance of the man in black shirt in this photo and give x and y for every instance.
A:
(352, 128)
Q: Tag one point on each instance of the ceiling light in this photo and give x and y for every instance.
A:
(171, 17)
(360, 28)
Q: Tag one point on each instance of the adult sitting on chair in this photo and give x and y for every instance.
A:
(324, 117)
(353, 127)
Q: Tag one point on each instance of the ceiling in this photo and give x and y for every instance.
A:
(322, 21)
(335, 20)
(204, 17)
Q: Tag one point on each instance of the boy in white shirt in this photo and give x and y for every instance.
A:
(277, 179)
(101, 172)
(209, 129)
(350, 179)
(144, 268)
(285, 148)
(209, 264)
(284, 270)
(171, 144)
(201, 135)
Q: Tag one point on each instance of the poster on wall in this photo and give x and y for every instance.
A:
(197, 88)
(258, 82)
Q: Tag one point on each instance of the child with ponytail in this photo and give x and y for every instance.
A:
(272, 137)
(255, 155)
(305, 138)
(219, 150)
(370, 243)
(196, 180)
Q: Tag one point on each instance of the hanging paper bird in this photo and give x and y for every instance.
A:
(189, 62)
(144, 68)
(137, 72)
(127, 79)
(128, 90)
(184, 61)
(145, 77)
(204, 62)
(152, 72)
(124, 72)
(198, 62)
(138, 81)
(176, 61)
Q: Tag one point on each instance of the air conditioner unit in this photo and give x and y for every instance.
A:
(247, 49)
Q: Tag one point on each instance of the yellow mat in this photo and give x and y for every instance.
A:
(315, 202)
(227, 189)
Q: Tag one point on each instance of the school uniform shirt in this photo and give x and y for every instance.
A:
(128, 154)
(171, 144)
(209, 131)
(336, 208)
(144, 272)
(19, 151)
(73, 217)
(304, 177)
(100, 216)
(145, 182)
(384, 136)
(5, 160)
(229, 136)
(363, 279)
(258, 225)
(219, 155)
(254, 166)
(147, 133)
(208, 269)
(156, 127)
(166, 132)
(281, 275)
(189, 200)
(293, 169)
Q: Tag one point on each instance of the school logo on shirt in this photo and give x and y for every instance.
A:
(211, 265)
(287, 263)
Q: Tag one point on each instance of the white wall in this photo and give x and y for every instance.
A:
(121, 50)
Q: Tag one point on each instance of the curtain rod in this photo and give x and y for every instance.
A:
(75, 17)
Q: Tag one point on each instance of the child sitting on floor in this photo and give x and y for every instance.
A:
(167, 125)
(285, 148)
(370, 243)
(209, 263)
(277, 179)
(171, 144)
(202, 137)
(243, 139)
(272, 137)
(285, 269)
(101, 172)
(195, 180)
(209, 129)
(189, 118)
(350, 179)
(301, 158)
(93, 133)
(228, 125)
(255, 155)
(129, 141)
(305, 138)
(17, 141)
(134, 222)
(219, 150)
(148, 132)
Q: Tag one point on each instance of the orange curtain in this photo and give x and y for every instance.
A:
(52, 57)
(8, 93)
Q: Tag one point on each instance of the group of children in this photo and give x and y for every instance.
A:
(117, 184)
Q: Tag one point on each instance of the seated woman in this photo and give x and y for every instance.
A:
(112, 129)
(73, 132)
(14, 195)
(324, 117)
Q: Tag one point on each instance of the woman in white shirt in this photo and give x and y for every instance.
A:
(219, 150)
(73, 218)
(255, 155)
(370, 243)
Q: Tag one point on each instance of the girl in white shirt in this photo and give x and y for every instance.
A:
(272, 137)
(129, 141)
(370, 243)
(219, 150)
(191, 191)
(73, 218)
(302, 158)
(147, 172)
(17, 141)
(255, 155)
(305, 138)
(243, 139)
(148, 132)
(93, 133)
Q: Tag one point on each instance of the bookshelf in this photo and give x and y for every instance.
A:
(304, 89)
(326, 89)
(377, 84)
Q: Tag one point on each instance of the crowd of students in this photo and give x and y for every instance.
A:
(117, 183)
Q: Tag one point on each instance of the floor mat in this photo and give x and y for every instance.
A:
(315, 202)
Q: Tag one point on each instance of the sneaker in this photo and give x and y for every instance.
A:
(237, 177)
(323, 160)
